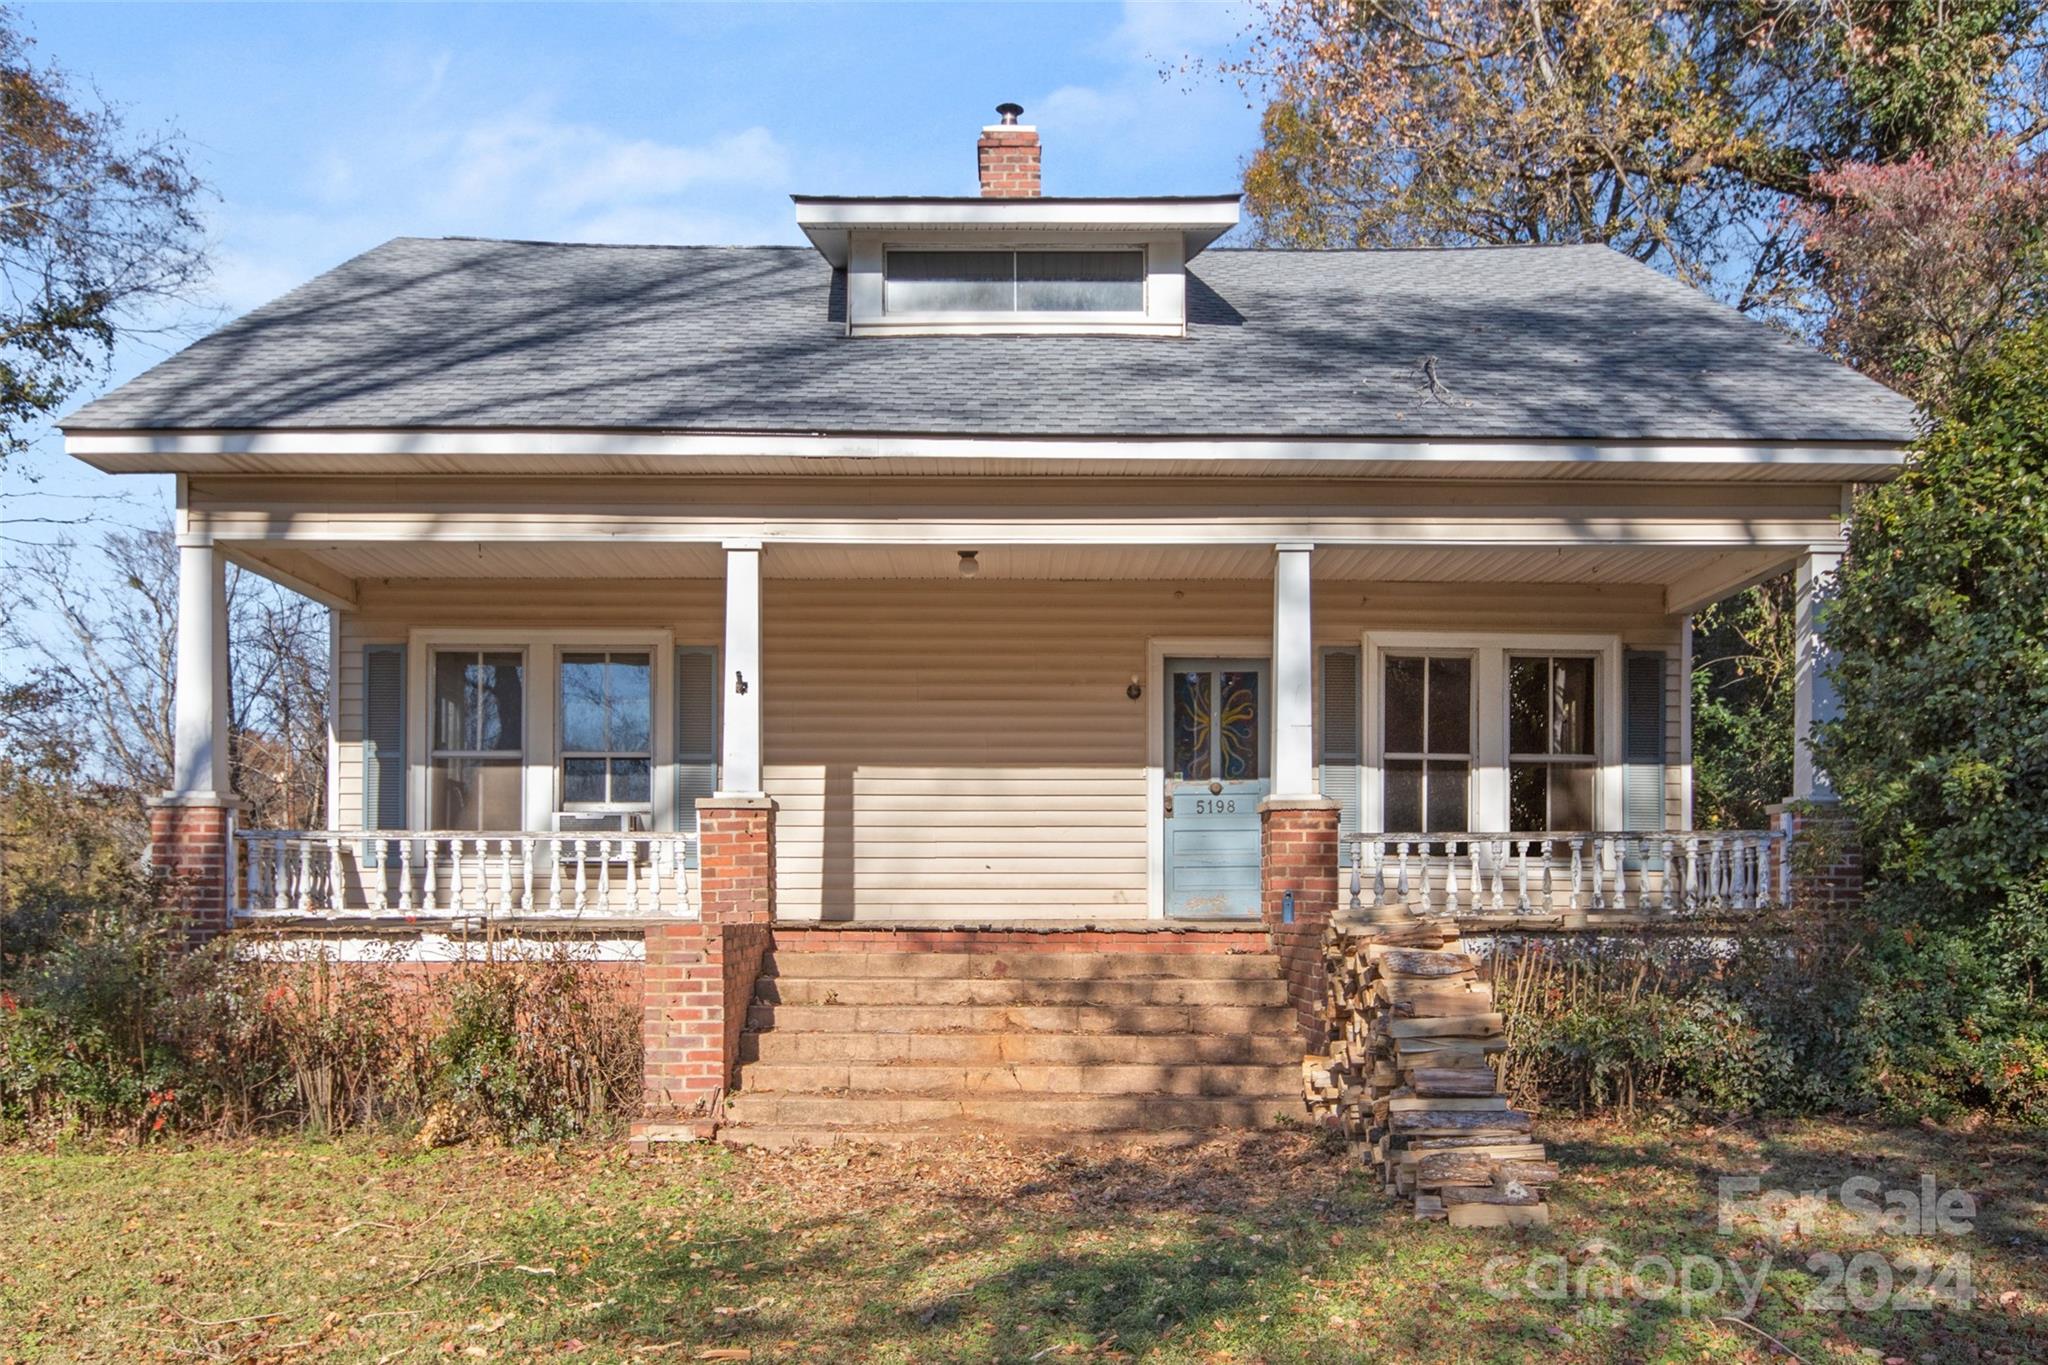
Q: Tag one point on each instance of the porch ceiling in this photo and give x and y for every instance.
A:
(1683, 570)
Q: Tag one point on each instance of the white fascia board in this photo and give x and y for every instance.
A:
(1199, 222)
(333, 451)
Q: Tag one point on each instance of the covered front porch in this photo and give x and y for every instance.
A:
(1021, 717)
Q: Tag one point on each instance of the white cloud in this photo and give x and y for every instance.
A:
(568, 169)
(433, 167)
(1165, 31)
(1164, 104)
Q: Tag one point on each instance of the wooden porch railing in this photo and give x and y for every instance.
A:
(444, 874)
(1670, 873)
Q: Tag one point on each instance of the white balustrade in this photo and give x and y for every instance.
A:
(448, 875)
(1649, 873)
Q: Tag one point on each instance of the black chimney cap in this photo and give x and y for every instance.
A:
(1010, 113)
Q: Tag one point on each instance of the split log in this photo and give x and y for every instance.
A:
(1490, 1194)
(1448, 1080)
(1451, 1122)
(1455, 1168)
(1464, 1104)
(1526, 1172)
(1497, 1215)
(1448, 1026)
(1418, 962)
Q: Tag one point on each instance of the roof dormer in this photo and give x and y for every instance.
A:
(1012, 261)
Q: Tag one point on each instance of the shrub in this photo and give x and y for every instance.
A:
(1610, 1028)
(110, 1024)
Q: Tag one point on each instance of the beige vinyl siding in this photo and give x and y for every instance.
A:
(953, 748)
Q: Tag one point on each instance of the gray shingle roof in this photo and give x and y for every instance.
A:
(1552, 342)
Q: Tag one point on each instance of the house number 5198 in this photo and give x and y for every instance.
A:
(1207, 805)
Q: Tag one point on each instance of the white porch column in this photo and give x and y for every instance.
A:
(1814, 699)
(1293, 674)
(199, 747)
(740, 772)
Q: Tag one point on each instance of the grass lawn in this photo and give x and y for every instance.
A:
(1269, 1248)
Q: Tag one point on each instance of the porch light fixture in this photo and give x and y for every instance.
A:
(969, 565)
(1136, 689)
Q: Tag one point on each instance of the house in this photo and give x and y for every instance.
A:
(1003, 615)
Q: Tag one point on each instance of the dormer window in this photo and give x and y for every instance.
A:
(1013, 261)
(965, 282)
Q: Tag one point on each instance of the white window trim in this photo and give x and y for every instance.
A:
(562, 750)
(1489, 654)
(539, 795)
(1164, 314)
(1067, 320)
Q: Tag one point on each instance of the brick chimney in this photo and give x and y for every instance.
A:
(1007, 156)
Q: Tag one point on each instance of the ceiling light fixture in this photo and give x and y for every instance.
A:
(969, 565)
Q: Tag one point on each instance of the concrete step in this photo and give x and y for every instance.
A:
(1280, 1048)
(946, 1078)
(783, 1137)
(1277, 1021)
(1046, 1113)
(1046, 966)
(898, 990)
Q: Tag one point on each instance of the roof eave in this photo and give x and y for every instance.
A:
(829, 221)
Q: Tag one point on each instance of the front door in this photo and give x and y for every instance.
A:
(1217, 771)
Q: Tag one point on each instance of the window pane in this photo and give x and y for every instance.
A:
(1527, 808)
(949, 282)
(1081, 281)
(1571, 796)
(451, 705)
(1404, 705)
(498, 696)
(583, 703)
(1571, 706)
(630, 780)
(1450, 706)
(1446, 807)
(475, 793)
(1240, 727)
(1191, 726)
(1528, 705)
(582, 781)
(1404, 796)
(632, 704)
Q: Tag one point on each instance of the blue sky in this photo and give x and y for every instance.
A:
(326, 129)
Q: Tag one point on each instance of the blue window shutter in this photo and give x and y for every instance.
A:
(384, 737)
(1341, 751)
(1642, 741)
(696, 734)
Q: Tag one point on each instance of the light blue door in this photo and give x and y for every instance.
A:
(1217, 771)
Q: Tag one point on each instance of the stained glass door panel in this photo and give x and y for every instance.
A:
(1216, 774)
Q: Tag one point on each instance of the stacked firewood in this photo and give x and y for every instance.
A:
(1410, 1076)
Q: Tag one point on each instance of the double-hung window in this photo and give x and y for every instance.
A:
(1428, 733)
(479, 739)
(1552, 760)
(606, 706)
(1006, 281)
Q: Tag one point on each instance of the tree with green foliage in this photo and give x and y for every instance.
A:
(1940, 628)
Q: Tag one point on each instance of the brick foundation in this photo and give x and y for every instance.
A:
(699, 977)
(1298, 855)
(191, 848)
(1827, 857)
